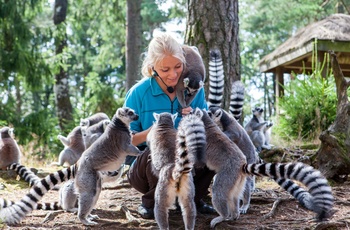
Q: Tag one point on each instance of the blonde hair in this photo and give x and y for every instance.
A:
(160, 47)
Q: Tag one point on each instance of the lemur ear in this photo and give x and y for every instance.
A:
(156, 116)
(186, 81)
(198, 112)
(201, 83)
(218, 113)
(174, 116)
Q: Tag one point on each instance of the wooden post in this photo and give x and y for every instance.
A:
(279, 89)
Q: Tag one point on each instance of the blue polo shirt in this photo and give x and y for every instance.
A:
(146, 97)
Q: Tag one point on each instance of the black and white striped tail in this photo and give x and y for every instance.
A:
(30, 177)
(216, 78)
(237, 99)
(25, 173)
(16, 212)
(190, 143)
(319, 196)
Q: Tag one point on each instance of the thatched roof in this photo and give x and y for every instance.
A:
(333, 29)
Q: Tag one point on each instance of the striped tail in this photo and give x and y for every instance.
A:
(16, 212)
(237, 99)
(25, 173)
(319, 198)
(216, 79)
(191, 142)
(30, 177)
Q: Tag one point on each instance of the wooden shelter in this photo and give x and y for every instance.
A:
(295, 54)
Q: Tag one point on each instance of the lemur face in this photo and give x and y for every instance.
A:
(257, 111)
(127, 115)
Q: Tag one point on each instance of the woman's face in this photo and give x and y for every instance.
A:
(169, 69)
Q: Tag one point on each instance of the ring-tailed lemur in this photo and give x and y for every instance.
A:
(107, 153)
(227, 160)
(238, 135)
(216, 78)
(74, 143)
(259, 130)
(93, 119)
(237, 99)
(172, 161)
(92, 132)
(192, 77)
(68, 199)
(9, 150)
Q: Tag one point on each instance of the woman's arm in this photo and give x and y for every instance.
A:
(140, 137)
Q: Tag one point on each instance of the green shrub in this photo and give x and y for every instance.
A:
(308, 106)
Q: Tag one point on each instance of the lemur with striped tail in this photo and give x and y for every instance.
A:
(93, 132)
(107, 153)
(259, 130)
(172, 161)
(68, 199)
(192, 77)
(238, 135)
(74, 143)
(231, 167)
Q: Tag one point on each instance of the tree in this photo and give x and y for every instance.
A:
(133, 42)
(61, 88)
(334, 155)
(210, 24)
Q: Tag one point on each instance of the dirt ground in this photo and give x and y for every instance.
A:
(271, 208)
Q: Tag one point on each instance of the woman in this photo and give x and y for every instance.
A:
(161, 69)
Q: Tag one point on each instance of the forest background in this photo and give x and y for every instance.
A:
(56, 68)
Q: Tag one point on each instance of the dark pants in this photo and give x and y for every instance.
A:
(141, 178)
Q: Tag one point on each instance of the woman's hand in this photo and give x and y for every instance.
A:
(186, 110)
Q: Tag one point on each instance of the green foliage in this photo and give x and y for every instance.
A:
(101, 97)
(39, 129)
(308, 106)
(263, 28)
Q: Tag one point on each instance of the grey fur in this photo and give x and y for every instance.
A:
(74, 143)
(192, 77)
(236, 133)
(259, 130)
(92, 132)
(9, 150)
(173, 158)
(68, 199)
(227, 160)
(105, 154)
(93, 119)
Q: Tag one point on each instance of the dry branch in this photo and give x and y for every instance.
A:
(128, 214)
(51, 216)
(273, 209)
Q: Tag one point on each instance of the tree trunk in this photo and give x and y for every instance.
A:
(214, 24)
(334, 154)
(133, 42)
(64, 107)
